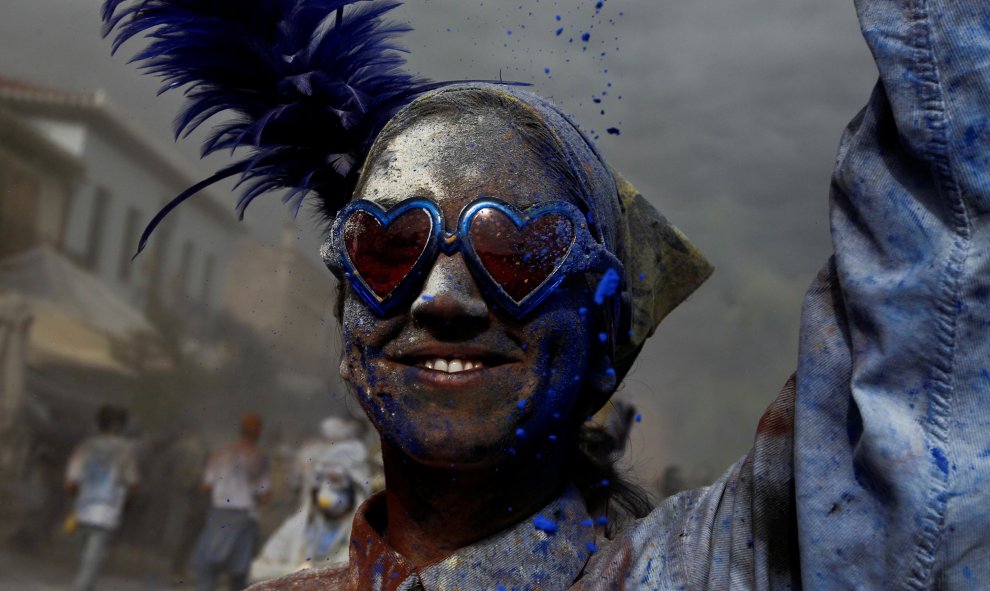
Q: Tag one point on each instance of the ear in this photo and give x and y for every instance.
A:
(600, 383)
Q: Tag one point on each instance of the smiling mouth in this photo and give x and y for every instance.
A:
(451, 365)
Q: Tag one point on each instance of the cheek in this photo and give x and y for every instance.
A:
(560, 365)
(363, 337)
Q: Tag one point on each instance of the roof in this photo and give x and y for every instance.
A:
(96, 108)
(33, 147)
(43, 275)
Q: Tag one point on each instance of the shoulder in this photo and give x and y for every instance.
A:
(331, 578)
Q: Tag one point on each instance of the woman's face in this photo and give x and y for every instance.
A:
(520, 397)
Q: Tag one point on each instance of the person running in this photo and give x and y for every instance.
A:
(102, 473)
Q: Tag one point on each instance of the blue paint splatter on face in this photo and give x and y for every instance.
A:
(545, 525)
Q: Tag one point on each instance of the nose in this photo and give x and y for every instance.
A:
(450, 298)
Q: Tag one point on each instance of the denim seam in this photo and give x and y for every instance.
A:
(941, 386)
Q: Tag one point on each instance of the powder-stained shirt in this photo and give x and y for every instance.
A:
(103, 467)
(871, 470)
(237, 475)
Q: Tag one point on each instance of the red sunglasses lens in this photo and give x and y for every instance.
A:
(520, 259)
(383, 255)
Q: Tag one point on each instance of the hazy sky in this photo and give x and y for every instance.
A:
(730, 113)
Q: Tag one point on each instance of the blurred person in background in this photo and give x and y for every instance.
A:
(237, 479)
(102, 473)
(339, 438)
(318, 533)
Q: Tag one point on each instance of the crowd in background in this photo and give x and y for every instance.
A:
(250, 509)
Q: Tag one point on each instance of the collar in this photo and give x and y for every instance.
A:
(546, 551)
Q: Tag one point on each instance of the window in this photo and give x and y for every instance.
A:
(185, 265)
(208, 264)
(97, 226)
(129, 242)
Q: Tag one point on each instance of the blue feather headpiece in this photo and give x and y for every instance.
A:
(307, 86)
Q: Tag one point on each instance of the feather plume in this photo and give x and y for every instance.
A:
(305, 86)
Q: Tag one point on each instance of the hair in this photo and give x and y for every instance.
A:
(111, 419)
(592, 465)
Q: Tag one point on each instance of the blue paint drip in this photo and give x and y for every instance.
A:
(940, 460)
(545, 525)
(613, 131)
(607, 286)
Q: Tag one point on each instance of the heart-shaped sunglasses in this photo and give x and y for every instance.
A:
(517, 256)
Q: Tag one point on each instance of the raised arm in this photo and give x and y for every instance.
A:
(872, 468)
(893, 388)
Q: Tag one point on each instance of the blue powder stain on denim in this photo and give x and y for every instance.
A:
(972, 135)
(967, 573)
(607, 286)
(940, 460)
(545, 525)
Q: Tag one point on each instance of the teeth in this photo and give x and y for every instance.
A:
(451, 365)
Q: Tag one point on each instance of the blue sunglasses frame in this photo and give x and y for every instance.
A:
(584, 255)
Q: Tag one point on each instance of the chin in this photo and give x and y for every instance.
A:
(438, 442)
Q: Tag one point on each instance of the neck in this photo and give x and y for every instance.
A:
(434, 511)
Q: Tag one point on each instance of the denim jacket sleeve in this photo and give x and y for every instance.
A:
(872, 468)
